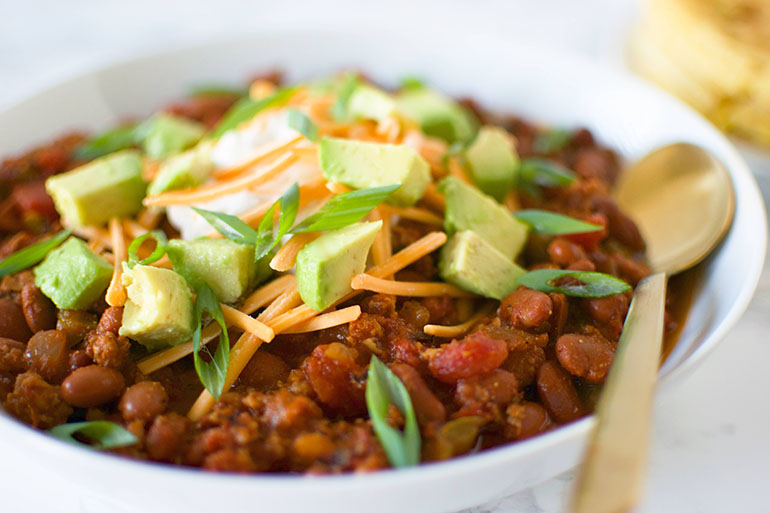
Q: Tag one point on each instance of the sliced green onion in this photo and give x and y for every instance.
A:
(587, 284)
(32, 254)
(550, 223)
(229, 227)
(340, 107)
(300, 122)
(246, 108)
(412, 82)
(552, 140)
(289, 203)
(103, 434)
(383, 388)
(161, 243)
(545, 173)
(212, 373)
(117, 139)
(344, 209)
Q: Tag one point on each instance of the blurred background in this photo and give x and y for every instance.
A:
(710, 441)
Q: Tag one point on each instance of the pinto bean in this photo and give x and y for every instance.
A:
(92, 386)
(39, 311)
(474, 355)
(264, 370)
(426, 405)
(609, 312)
(620, 226)
(526, 420)
(560, 313)
(526, 308)
(13, 324)
(557, 393)
(143, 401)
(585, 356)
(563, 252)
(12, 358)
(47, 354)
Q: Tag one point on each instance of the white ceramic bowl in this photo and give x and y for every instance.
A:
(622, 112)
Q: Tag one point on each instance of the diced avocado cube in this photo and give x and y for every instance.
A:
(187, 169)
(437, 114)
(164, 135)
(159, 310)
(467, 208)
(73, 276)
(368, 102)
(471, 263)
(492, 161)
(326, 265)
(228, 267)
(361, 165)
(110, 186)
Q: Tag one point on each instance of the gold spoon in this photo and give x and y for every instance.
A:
(682, 199)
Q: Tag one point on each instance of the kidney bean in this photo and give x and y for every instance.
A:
(166, 437)
(79, 359)
(620, 226)
(264, 370)
(557, 393)
(526, 420)
(442, 309)
(475, 354)
(524, 363)
(76, 324)
(563, 252)
(526, 308)
(92, 386)
(631, 270)
(48, 355)
(583, 264)
(585, 356)
(609, 312)
(39, 311)
(560, 313)
(13, 324)
(143, 401)
(426, 405)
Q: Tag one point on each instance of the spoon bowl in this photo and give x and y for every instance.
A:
(682, 199)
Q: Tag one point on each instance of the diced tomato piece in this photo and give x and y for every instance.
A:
(590, 240)
(476, 354)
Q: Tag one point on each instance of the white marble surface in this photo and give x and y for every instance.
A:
(710, 441)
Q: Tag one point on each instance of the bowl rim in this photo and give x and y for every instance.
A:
(433, 471)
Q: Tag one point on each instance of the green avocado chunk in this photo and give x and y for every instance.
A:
(492, 161)
(361, 165)
(437, 114)
(326, 265)
(467, 208)
(471, 263)
(91, 194)
(187, 169)
(159, 309)
(228, 267)
(73, 276)
(368, 102)
(164, 135)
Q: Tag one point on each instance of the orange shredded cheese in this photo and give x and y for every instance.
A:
(458, 330)
(116, 293)
(247, 323)
(415, 214)
(286, 257)
(337, 188)
(221, 188)
(93, 233)
(456, 170)
(406, 288)
(328, 320)
(267, 293)
(434, 198)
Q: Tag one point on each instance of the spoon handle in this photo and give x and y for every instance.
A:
(611, 475)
